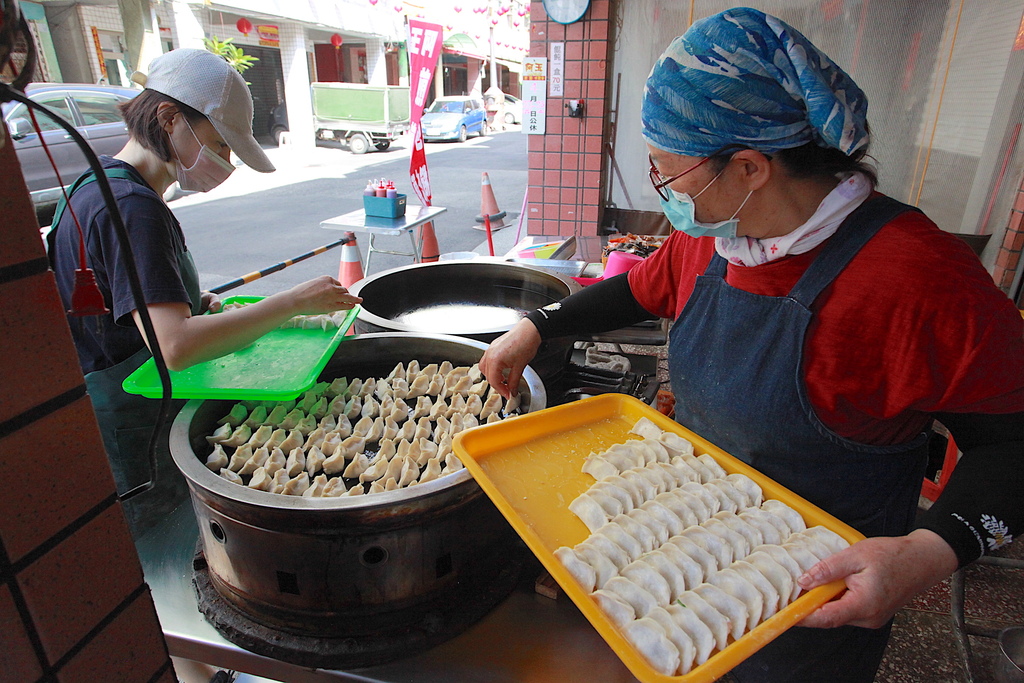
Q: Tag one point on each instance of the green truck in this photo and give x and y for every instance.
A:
(362, 115)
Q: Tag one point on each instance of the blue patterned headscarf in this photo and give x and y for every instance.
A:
(746, 77)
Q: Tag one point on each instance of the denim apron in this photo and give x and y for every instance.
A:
(127, 421)
(736, 365)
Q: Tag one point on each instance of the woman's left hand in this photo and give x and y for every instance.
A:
(882, 574)
(210, 302)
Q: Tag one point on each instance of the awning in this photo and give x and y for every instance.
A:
(461, 44)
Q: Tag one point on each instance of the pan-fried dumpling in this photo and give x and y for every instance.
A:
(665, 516)
(589, 511)
(406, 431)
(369, 388)
(334, 488)
(620, 537)
(225, 473)
(257, 417)
(603, 568)
(491, 406)
(400, 410)
(756, 517)
(801, 555)
(315, 438)
(387, 448)
(786, 513)
(513, 403)
(260, 481)
(752, 535)
(255, 461)
(356, 467)
(680, 638)
(398, 371)
(314, 461)
(354, 408)
(297, 485)
(276, 415)
(659, 529)
(292, 419)
(645, 428)
(296, 462)
(427, 450)
(400, 388)
(645, 576)
(316, 487)
(319, 409)
(648, 541)
(422, 429)
(395, 467)
(331, 443)
(432, 471)
(648, 638)
(218, 459)
(279, 480)
(410, 472)
(474, 405)
(456, 406)
(352, 445)
(295, 439)
(308, 399)
(390, 430)
(720, 548)
(422, 408)
(371, 409)
(356, 490)
(361, 427)
(748, 487)
(712, 502)
(306, 425)
(676, 503)
(376, 470)
(240, 457)
(769, 595)
(733, 609)
(438, 409)
(337, 387)
(241, 434)
(452, 464)
(830, 539)
(418, 387)
(602, 544)
(707, 562)
(676, 444)
(335, 463)
(636, 595)
(729, 499)
(376, 430)
(337, 404)
(715, 621)
(235, 417)
(739, 543)
(436, 385)
(618, 611)
(469, 421)
(777, 575)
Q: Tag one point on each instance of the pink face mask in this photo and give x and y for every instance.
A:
(207, 172)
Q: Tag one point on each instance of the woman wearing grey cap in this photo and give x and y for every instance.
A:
(194, 112)
(819, 328)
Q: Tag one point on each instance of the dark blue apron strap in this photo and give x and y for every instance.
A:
(859, 227)
(82, 181)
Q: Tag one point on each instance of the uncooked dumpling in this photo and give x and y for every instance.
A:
(649, 639)
(218, 459)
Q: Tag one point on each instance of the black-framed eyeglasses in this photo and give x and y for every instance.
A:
(660, 182)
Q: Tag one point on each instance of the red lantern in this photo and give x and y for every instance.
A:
(336, 41)
(244, 26)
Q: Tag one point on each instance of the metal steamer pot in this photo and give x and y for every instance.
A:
(350, 581)
(476, 299)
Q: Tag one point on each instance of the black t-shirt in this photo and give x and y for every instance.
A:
(156, 238)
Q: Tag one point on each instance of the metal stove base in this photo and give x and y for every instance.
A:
(434, 622)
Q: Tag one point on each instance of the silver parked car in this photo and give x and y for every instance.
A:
(93, 111)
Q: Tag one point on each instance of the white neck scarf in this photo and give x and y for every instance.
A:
(833, 210)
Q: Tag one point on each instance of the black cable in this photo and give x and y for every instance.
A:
(8, 93)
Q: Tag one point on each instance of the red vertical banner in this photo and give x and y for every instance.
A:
(424, 51)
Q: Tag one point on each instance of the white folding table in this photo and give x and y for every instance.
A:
(358, 221)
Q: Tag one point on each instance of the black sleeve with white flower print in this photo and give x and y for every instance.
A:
(982, 507)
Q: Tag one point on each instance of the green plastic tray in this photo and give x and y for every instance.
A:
(278, 366)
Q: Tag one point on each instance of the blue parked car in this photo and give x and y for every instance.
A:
(454, 118)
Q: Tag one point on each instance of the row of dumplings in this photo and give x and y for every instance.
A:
(323, 321)
(684, 558)
(311, 447)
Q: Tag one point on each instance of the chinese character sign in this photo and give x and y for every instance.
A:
(535, 99)
(424, 51)
(557, 75)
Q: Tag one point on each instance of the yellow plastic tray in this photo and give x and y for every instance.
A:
(530, 469)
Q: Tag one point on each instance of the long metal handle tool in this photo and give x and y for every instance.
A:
(256, 275)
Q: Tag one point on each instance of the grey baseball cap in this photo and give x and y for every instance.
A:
(211, 86)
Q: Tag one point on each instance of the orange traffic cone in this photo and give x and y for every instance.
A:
(429, 251)
(489, 207)
(350, 270)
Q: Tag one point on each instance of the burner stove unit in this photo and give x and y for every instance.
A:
(577, 381)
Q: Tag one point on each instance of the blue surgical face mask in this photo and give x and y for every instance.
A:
(679, 209)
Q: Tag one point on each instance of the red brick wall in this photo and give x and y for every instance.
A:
(73, 604)
(567, 162)
(1008, 258)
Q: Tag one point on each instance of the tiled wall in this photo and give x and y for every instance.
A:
(566, 163)
(73, 604)
(104, 19)
(1008, 258)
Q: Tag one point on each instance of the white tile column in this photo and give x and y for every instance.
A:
(187, 28)
(376, 65)
(295, 65)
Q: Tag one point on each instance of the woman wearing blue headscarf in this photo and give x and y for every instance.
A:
(820, 327)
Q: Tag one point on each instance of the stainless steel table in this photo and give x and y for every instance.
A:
(525, 639)
(358, 221)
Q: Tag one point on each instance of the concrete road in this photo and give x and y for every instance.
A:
(256, 220)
